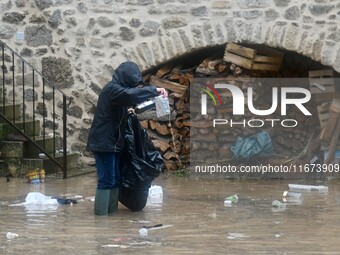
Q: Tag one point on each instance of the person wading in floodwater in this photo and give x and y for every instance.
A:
(107, 133)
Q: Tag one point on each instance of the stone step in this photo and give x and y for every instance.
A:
(31, 128)
(11, 149)
(8, 111)
(18, 167)
(10, 166)
(32, 151)
(17, 149)
(51, 167)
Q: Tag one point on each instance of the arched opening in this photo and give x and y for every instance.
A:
(298, 145)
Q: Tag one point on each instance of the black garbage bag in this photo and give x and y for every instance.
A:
(141, 163)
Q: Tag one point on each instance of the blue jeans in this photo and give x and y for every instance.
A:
(107, 164)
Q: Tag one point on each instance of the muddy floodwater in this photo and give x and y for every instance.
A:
(192, 213)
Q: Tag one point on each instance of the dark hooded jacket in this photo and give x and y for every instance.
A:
(107, 133)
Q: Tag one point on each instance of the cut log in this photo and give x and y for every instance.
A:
(162, 129)
(184, 131)
(176, 146)
(179, 105)
(170, 155)
(184, 80)
(175, 135)
(170, 165)
(154, 135)
(174, 77)
(206, 71)
(185, 147)
(152, 124)
(186, 116)
(152, 115)
(144, 124)
(161, 145)
(221, 67)
(164, 70)
(179, 122)
(240, 50)
(237, 71)
(260, 59)
(238, 60)
(172, 86)
(211, 64)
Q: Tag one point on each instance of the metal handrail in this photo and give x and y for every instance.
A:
(45, 82)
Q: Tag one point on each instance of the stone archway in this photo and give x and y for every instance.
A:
(317, 41)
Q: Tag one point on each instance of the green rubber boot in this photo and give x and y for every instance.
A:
(101, 202)
(113, 201)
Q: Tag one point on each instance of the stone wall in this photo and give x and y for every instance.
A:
(86, 40)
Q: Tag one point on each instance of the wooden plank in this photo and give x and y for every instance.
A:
(164, 70)
(323, 114)
(265, 67)
(267, 51)
(213, 63)
(238, 60)
(177, 68)
(323, 81)
(327, 90)
(266, 59)
(335, 105)
(173, 86)
(321, 73)
(330, 126)
(240, 50)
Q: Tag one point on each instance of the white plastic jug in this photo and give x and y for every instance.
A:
(155, 191)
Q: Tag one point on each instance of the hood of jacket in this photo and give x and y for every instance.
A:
(128, 74)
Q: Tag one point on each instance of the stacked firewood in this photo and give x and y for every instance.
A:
(171, 134)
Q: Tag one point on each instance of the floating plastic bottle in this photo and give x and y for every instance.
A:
(227, 202)
(233, 198)
(291, 194)
(143, 232)
(155, 191)
(11, 235)
(312, 188)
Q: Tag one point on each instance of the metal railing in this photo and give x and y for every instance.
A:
(15, 78)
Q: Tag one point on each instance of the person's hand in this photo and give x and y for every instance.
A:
(162, 92)
(131, 111)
